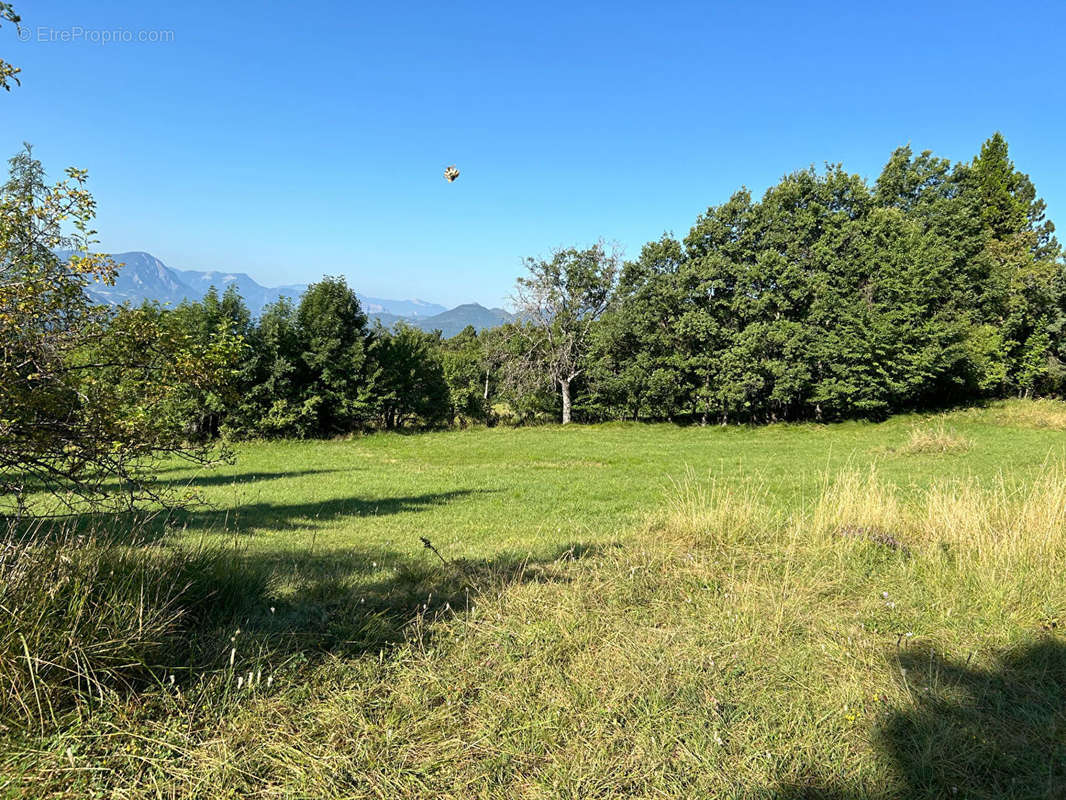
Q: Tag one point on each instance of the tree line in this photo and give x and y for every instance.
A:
(938, 284)
(827, 298)
(321, 368)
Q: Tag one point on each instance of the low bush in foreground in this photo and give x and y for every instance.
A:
(872, 643)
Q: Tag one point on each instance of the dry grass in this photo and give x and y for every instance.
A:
(1042, 414)
(1045, 413)
(933, 439)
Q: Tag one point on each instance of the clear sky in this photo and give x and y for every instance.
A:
(293, 140)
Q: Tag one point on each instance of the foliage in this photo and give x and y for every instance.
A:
(827, 298)
(830, 298)
(333, 338)
(8, 73)
(319, 369)
(90, 399)
(558, 304)
(468, 372)
(410, 382)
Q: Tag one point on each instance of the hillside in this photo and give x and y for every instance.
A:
(142, 277)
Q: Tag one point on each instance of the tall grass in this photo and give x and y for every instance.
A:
(1042, 413)
(87, 621)
(869, 641)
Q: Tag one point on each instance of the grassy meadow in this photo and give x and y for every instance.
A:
(846, 611)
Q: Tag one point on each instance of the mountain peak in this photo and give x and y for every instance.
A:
(449, 323)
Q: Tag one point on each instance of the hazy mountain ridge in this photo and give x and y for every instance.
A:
(144, 277)
(451, 322)
(255, 295)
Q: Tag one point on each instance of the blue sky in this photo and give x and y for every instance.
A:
(311, 139)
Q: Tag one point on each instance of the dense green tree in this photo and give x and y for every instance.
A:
(409, 384)
(635, 366)
(1018, 268)
(831, 298)
(334, 339)
(201, 322)
(273, 403)
(468, 375)
(826, 298)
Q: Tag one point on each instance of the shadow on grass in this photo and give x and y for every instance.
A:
(216, 478)
(295, 611)
(291, 607)
(345, 603)
(147, 527)
(265, 515)
(969, 733)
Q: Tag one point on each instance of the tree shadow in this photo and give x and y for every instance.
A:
(216, 478)
(993, 733)
(338, 598)
(231, 611)
(302, 607)
(169, 486)
(142, 528)
(265, 515)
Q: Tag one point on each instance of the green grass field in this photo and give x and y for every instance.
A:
(852, 610)
(531, 491)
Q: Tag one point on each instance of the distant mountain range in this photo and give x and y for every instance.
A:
(144, 277)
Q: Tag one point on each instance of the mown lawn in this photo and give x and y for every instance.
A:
(842, 611)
